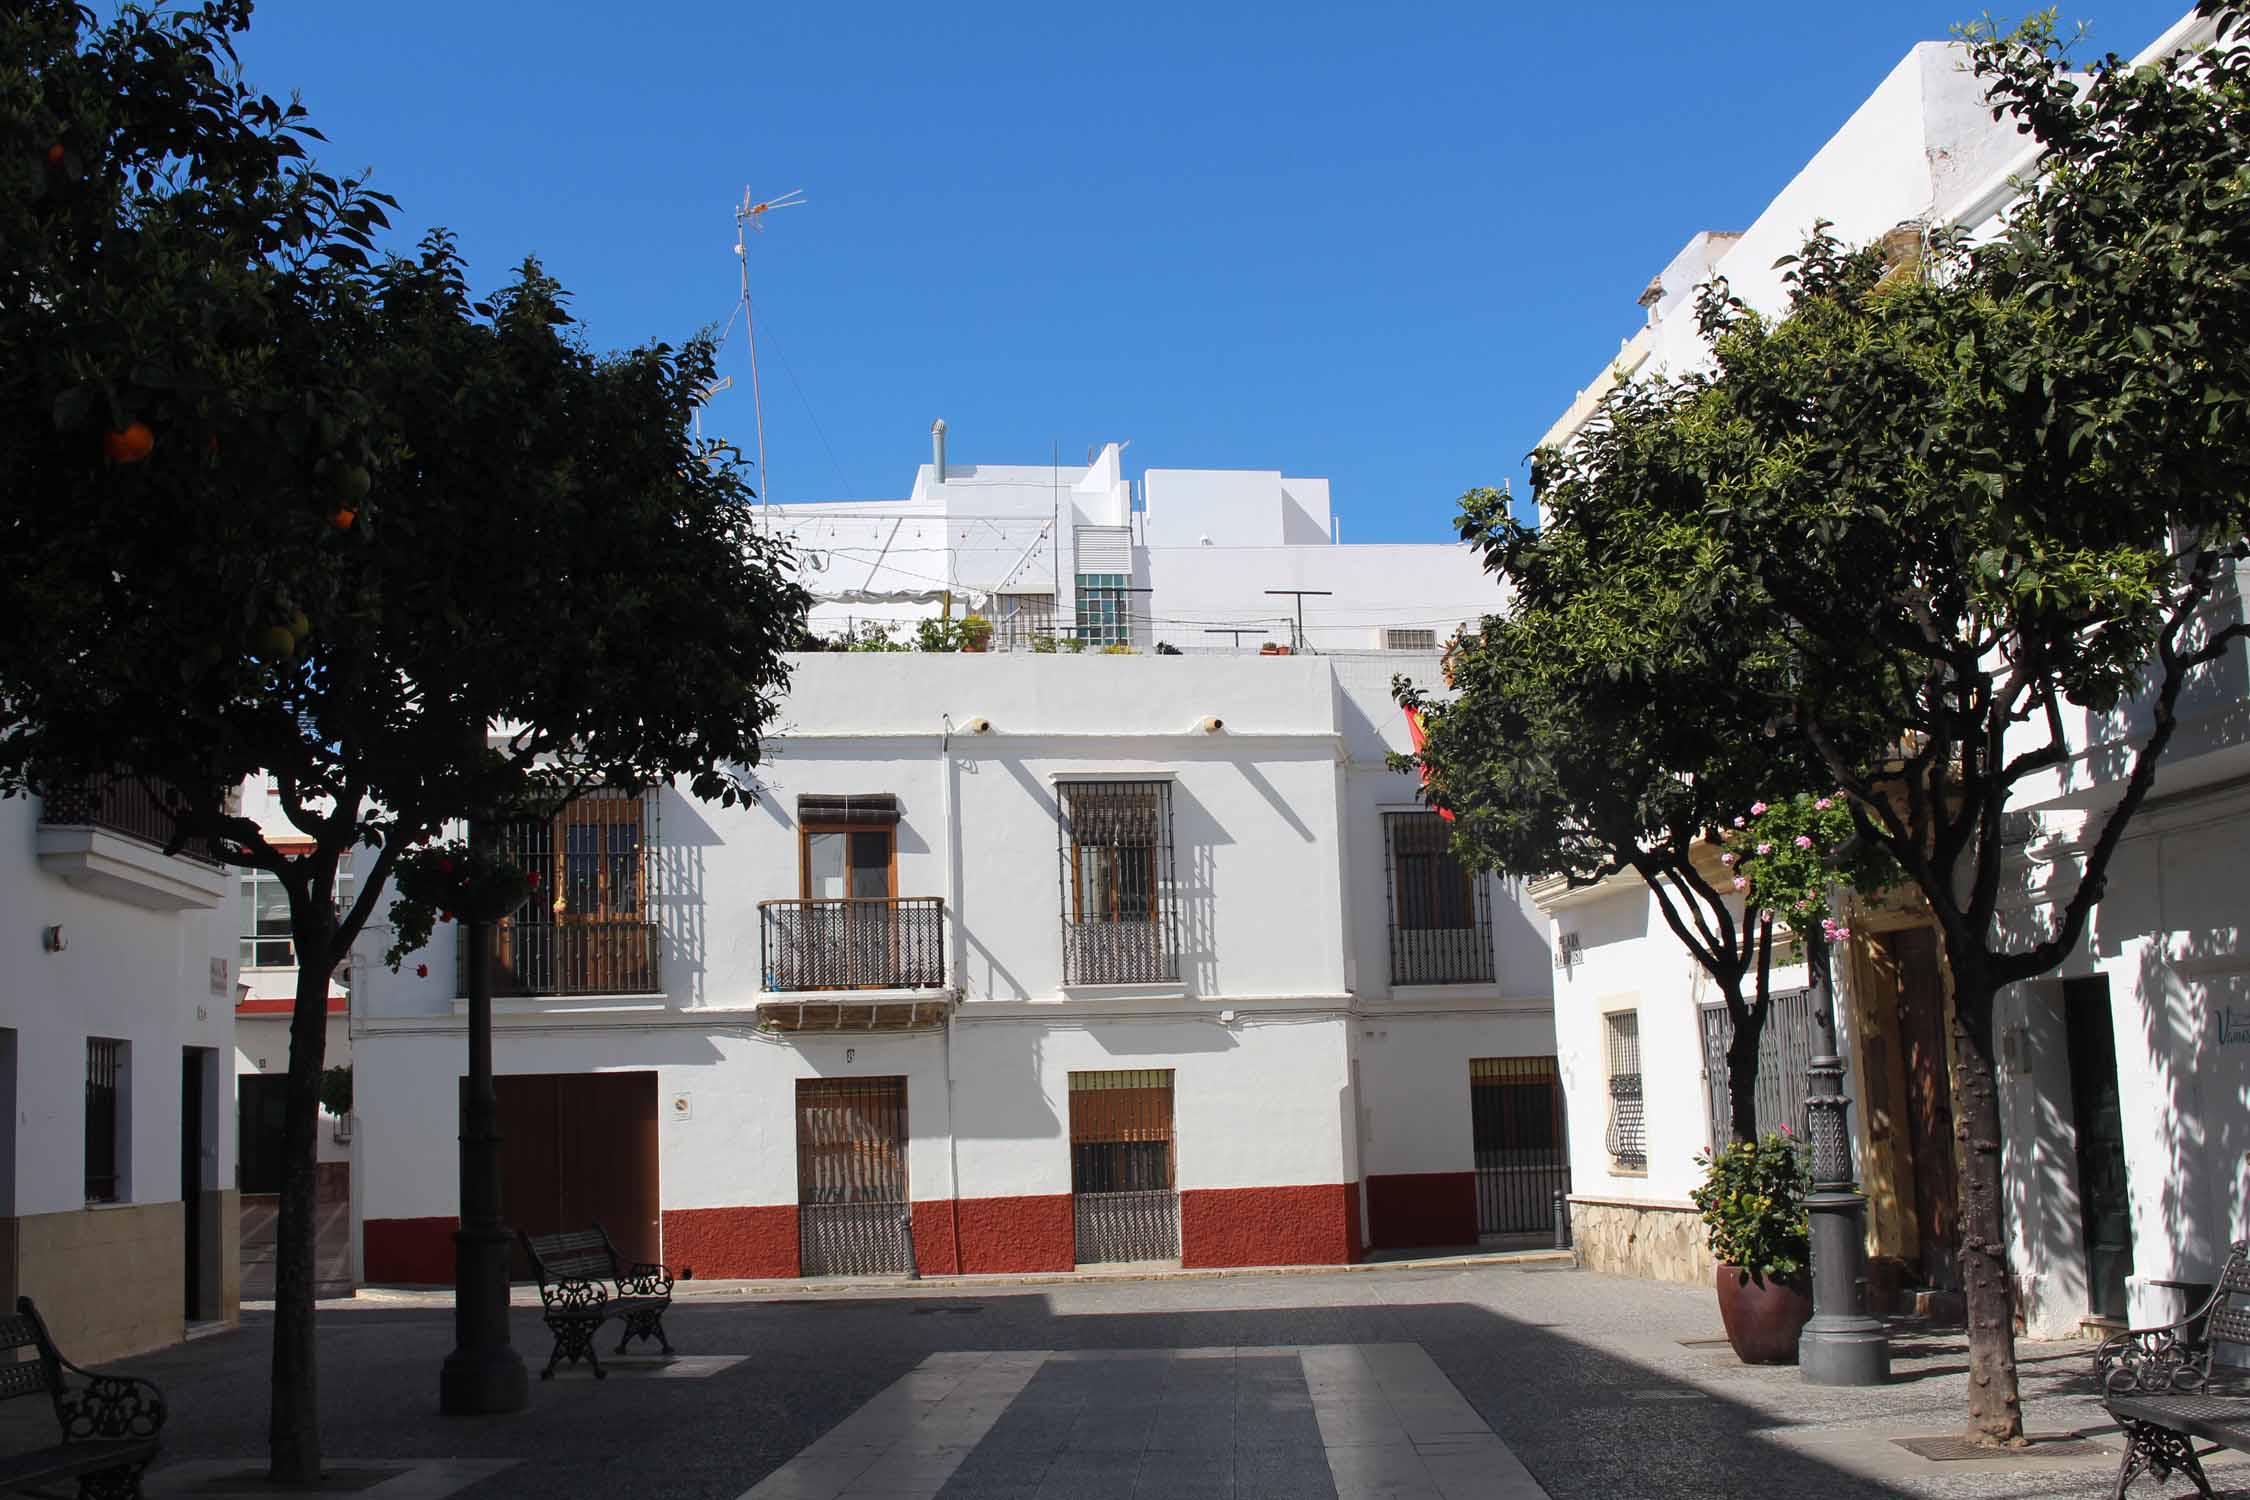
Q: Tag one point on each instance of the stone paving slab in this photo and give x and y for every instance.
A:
(425, 1479)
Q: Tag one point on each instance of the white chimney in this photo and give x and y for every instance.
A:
(937, 451)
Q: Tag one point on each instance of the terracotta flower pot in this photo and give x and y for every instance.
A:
(1763, 1318)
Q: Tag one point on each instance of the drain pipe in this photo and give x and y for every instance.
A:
(951, 817)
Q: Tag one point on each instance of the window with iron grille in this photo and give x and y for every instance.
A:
(1120, 912)
(1409, 640)
(1627, 1137)
(590, 926)
(1784, 1053)
(1020, 619)
(1121, 1130)
(105, 1088)
(1441, 917)
(1105, 609)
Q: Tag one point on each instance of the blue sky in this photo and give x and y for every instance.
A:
(1382, 244)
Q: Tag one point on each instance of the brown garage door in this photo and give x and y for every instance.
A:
(579, 1149)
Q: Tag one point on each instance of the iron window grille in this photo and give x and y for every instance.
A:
(1105, 609)
(1409, 640)
(590, 926)
(1784, 1053)
(1516, 1116)
(105, 1083)
(1441, 912)
(1627, 1136)
(1124, 1200)
(1119, 902)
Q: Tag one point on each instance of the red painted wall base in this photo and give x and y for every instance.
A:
(1033, 1233)
(1271, 1226)
(758, 1242)
(1414, 1210)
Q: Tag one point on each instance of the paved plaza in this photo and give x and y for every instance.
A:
(1502, 1382)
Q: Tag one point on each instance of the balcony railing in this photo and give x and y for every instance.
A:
(853, 944)
(1442, 955)
(570, 956)
(117, 804)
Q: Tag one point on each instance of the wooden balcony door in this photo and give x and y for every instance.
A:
(853, 865)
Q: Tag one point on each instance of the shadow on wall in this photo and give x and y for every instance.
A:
(2218, 691)
(2193, 1002)
(683, 911)
(1196, 835)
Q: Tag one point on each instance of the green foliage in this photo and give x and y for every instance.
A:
(937, 635)
(976, 632)
(1074, 644)
(1787, 856)
(870, 635)
(1118, 649)
(336, 1090)
(1043, 645)
(1752, 1199)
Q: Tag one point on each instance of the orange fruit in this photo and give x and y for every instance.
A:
(55, 155)
(275, 643)
(342, 517)
(128, 444)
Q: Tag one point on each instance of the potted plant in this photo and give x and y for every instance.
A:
(1753, 1204)
(976, 633)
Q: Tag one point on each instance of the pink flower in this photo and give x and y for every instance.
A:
(1741, 883)
(1727, 858)
(1804, 841)
(421, 971)
(1765, 848)
(1824, 804)
(1757, 809)
(1738, 822)
(1785, 1130)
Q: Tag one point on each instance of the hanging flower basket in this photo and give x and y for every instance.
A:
(452, 882)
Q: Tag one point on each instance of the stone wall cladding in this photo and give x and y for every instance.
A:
(1658, 1242)
(107, 1280)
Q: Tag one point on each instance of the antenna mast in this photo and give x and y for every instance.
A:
(750, 214)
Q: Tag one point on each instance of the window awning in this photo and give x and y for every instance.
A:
(862, 809)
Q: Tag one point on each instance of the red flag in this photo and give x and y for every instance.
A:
(1414, 732)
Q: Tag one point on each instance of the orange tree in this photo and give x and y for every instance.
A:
(276, 506)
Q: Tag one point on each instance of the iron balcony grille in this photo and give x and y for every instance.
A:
(1516, 1113)
(852, 943)
(1119, 900)
(589, 927)
(118, 804)
(1441, 912)
(1784, 1053)
(105, 1072)
(1628, 1120)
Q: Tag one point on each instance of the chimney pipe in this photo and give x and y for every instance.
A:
(937, 451)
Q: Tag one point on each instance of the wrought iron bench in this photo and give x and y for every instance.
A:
(109, 1423)
(2157, 1384)
(573, 1268)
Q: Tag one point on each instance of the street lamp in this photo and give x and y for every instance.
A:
(1842, 1345)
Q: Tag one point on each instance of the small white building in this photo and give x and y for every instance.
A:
(1196, 559)
(117, 1201)
(2125, 1074)
(1062, 959)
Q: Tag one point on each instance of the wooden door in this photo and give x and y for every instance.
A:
(2097, 1110)
(1929, 1100)
(577, 1149)
(261, 1101)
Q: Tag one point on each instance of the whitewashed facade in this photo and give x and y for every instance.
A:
(2126, 1073)
(1164, 880)
(117, 1203)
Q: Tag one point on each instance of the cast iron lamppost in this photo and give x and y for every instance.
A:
(1842, 1345)
(484, 1375)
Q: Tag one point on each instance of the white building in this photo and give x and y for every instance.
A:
(1069, 959)
(1198, 559)
(117, 1202)
(2125, 1073)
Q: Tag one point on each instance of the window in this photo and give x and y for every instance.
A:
(1119, 922)
(1020, 619)
(105, 1111)
(1784, 1053)
(266, 941)
(589, 928)
(1105, 609)
(848, 863)
(1409, 640)
(1627, 1136)
(1441, 918)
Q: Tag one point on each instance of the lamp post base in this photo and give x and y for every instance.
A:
(484, 1375)
(483, 1383)
(1849, 1351)
(1842, 1345)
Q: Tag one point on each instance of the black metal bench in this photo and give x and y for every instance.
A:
(109, 1423)
(573, 1268)
(2157, 1384)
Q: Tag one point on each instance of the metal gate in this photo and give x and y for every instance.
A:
(1121, 1184)
(1516, 1112)
(851, 1176)
(1784, 1052)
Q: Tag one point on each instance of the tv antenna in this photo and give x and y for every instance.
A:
(748, 215)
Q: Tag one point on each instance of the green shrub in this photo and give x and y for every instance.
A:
(1753, 1204)
(336, 1090)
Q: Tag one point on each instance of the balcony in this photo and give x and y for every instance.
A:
(108, 836)
(856, 955)
(570, 955)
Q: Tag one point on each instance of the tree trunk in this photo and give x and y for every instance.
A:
(1995, 1408)
(1742, 1072)
(293, 1432)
